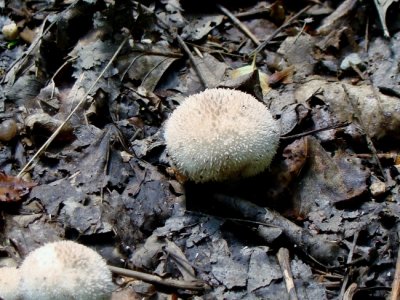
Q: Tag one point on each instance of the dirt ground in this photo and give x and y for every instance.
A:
(86, 88)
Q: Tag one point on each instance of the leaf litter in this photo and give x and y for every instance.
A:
(330, 196)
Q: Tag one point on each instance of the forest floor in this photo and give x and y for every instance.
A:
(86, 87)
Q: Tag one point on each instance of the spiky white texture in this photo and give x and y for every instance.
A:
(9, 282)
(65, 270)
(10, 31)
(221, 134)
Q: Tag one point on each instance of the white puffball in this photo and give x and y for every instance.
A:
(9, 283)
(221, 134)
(10, 31)
(65, 270)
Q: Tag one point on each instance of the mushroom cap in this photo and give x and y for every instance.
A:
(9, 283)
(65, 270)
(221, 134)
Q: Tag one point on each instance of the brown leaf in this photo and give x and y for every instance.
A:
(284, 76)
(13, 188)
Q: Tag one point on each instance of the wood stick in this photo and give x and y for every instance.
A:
(284, 262)
(196, 285)
(351, 290)
(395, 293)
(277, 31)
(239, 24)
(186, 49)
(316, 246)
(370, 144)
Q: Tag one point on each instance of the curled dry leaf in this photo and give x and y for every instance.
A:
(283, 76)
(13, 188)
(249, 69)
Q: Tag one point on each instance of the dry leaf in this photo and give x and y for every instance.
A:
(13, 188)
(264, 78)
(283, 76)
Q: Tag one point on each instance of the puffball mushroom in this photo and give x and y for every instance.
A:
(9, 283)
(221, 134)
(10, 31)
(65, 270)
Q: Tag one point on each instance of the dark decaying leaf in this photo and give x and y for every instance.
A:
(91, 54)
(213, 70)
(292, 115)
(199, 27)
(329, 179)
(298, 51)
(173, 14)
(230, 273)
(262, 269)
(284, 174)
(13, 188)
(382, 64)
(147, 64)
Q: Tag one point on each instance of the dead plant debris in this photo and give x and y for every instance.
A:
(86, 88)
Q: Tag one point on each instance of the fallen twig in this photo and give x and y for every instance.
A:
(185, 48)
(295, 136)
(239, 24)
(395, 293)
(351, 290)
(284, 262)
(318, 247)
(348, 270)
(370, 144)
(258, 11)
(20, 62)
(181, 43)
(196, 285)
(83, 100)
(278, 30)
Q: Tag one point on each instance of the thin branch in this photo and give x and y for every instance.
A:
(284, 262)
(395, 293)
(181, 43)
(195, 285)
(258, 11)
(349, 259)
(239, 24)
(17, 64)
(368, 139)
(351, 290)
(316, 246)
(57, 131)
(277, 31)
(185, 48)
(295, 136)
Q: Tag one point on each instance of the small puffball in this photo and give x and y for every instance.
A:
(9, 283)
(65, 270)
(8, 130)
(10, 31)
(221, 134)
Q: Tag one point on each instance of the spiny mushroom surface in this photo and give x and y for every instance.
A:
(9, 281)
(221, 134)
(65, 270)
